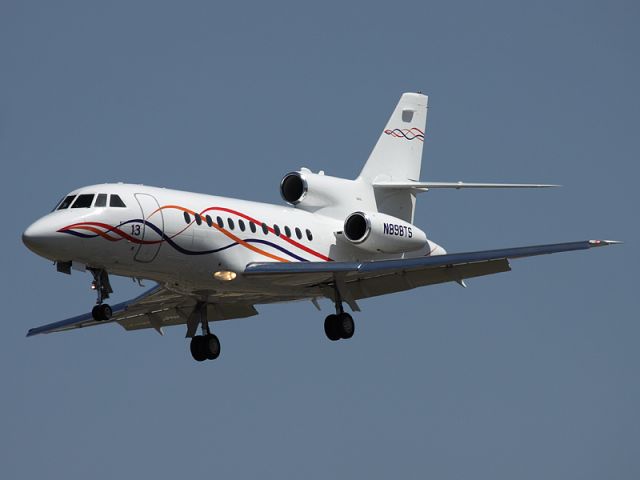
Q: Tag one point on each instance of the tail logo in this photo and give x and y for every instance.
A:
(406, 133)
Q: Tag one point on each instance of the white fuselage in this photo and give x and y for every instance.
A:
(181, 238)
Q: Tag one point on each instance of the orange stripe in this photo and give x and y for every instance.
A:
(228, 234)
(95, 230)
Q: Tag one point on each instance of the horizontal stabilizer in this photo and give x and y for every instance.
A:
(425, 186)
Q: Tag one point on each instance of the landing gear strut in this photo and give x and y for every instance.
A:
(206, 346)
(339, 325)
(102, 286)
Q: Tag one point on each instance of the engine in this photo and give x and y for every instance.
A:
(293, 188)
(377, 232)
(316, 191)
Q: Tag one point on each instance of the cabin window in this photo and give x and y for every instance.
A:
(309, 235)
(298, 233)
(209, 221)
(83, 201)
(230, 223)
(198, 218)
(187, 218)
(265, 229)
(287, 231)
(66, 202)
(276, 229)
(252, 226)
(241, 225)
(101, 200)
(116, 201)
(219, 222)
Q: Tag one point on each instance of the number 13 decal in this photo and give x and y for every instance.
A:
(135, 230)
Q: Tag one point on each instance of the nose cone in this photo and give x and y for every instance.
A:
(40, 238)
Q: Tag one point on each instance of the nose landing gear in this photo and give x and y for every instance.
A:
(102, 286)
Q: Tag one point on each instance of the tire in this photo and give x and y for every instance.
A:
(346, 325)
(101, 312)
(197, 351)
(105, 311)
(331, 328)
(211, 346)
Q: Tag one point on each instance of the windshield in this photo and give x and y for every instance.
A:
(66, 202)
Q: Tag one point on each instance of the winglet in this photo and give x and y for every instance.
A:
(603, 243)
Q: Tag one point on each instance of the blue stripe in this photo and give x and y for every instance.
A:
(184, 251)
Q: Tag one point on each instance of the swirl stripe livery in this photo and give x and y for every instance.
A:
(406, 133)
(115, 233)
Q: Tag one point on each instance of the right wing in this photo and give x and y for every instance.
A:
(155, 308)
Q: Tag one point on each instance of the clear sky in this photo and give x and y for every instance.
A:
(529, 374)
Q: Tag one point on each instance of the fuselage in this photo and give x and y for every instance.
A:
(182, 239)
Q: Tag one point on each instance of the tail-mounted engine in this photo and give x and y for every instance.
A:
(316, 191)
(377, 232)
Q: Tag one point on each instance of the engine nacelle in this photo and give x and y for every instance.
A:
(314, 191)
(377, 232)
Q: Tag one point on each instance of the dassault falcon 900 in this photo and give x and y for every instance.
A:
(216, 258)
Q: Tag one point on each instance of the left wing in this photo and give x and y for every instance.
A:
(355, 280)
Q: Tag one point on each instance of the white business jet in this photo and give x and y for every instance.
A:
(216, 258)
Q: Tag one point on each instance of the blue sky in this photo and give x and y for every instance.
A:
(529, 374)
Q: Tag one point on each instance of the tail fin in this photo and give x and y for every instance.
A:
(397, 155)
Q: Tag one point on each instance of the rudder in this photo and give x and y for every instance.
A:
(397, 156)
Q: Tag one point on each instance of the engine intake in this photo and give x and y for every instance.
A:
(293, 188)
(357, 227)
(377, 232)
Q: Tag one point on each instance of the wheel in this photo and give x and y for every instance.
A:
(101, 312)
(197, 348)
(346, 326)
(211, 346)
(331, 328)
(105, 311)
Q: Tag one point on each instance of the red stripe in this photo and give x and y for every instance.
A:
(284, 237)
(109, 228)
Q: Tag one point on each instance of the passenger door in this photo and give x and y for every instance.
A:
(152, 228)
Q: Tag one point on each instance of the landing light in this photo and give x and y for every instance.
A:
(225, 275)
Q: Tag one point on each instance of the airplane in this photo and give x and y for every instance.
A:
(216, 258)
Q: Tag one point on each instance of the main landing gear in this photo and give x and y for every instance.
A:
(206, 346)
(102, 311)
(339, 325)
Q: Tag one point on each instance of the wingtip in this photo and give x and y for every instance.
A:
(603, 243)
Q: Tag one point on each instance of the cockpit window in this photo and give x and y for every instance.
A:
(58, 204)
(116, 201)
(66, 202)
(101, 201)
(83, 201)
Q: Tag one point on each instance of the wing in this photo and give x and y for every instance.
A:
(355, 280)
(159, 307)
(156, 308)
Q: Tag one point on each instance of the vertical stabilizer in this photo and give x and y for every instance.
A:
(397, 155)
